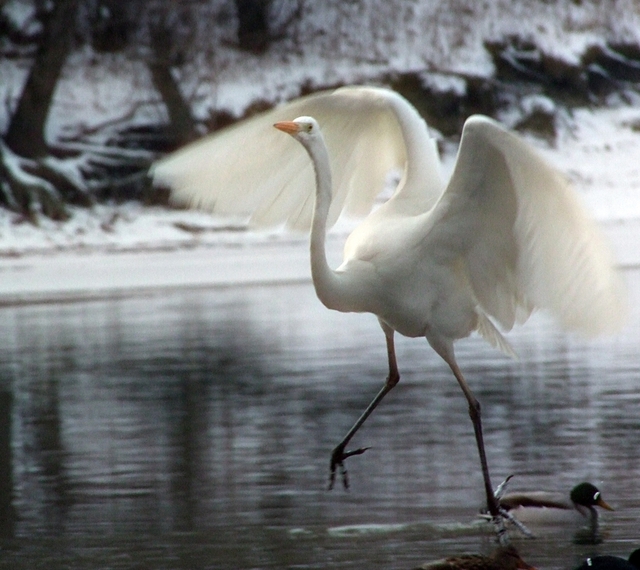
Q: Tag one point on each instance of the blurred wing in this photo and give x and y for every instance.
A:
(253, 169)
(538, 499)
(525, 237)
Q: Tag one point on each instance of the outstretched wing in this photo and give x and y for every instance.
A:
(539, 499)
(526, 239)
(252, 169)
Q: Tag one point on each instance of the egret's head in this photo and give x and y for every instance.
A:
(302, 128)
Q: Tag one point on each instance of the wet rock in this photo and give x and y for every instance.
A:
(601, 70)
(539, 116)
(446, 100)
(517, 59)
(440, 107)
(612, 67)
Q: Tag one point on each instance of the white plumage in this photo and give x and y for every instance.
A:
(524, 237)
(505, 236)
(250, 168)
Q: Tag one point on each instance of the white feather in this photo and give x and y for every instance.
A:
(507, 235)
(527, 240)
(251, 169)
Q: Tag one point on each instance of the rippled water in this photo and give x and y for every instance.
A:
(192, 429)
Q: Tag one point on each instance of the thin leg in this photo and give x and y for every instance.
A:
(339, 454)
(474, 413)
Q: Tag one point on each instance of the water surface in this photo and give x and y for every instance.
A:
(192, 429)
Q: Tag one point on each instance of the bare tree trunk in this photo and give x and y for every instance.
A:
(182, 127)
(26, 130)
(253, 24)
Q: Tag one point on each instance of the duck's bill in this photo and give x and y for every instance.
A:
(602, 504)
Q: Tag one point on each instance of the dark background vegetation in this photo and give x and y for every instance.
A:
(176, 41)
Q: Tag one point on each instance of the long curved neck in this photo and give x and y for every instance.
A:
(327, 284)
(423, 160)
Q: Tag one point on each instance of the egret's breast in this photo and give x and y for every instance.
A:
(410, 289)
(419, 299)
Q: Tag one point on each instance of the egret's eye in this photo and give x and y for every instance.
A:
(309, 128)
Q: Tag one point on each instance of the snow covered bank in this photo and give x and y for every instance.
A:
(115, 250)
(76, 275)
(73, 274)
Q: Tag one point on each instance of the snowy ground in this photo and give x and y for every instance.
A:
(126, 248)
(113, 249)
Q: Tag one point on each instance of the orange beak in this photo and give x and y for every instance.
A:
(288, 127)
(604, 505)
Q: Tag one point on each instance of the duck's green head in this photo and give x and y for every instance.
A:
(634, 558)
(588, 495)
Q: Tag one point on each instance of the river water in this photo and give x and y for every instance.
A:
(192, 429)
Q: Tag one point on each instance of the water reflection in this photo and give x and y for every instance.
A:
(192, 430)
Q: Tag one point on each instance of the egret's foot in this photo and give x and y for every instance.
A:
(501, 530)
(515, 522)
(506, 515)
(500, 489)
(337, 461)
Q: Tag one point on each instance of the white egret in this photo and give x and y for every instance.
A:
(506, 235)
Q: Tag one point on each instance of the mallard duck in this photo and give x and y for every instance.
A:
(503, 558)
(612, 562)
(583, 498)
(540, 508)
